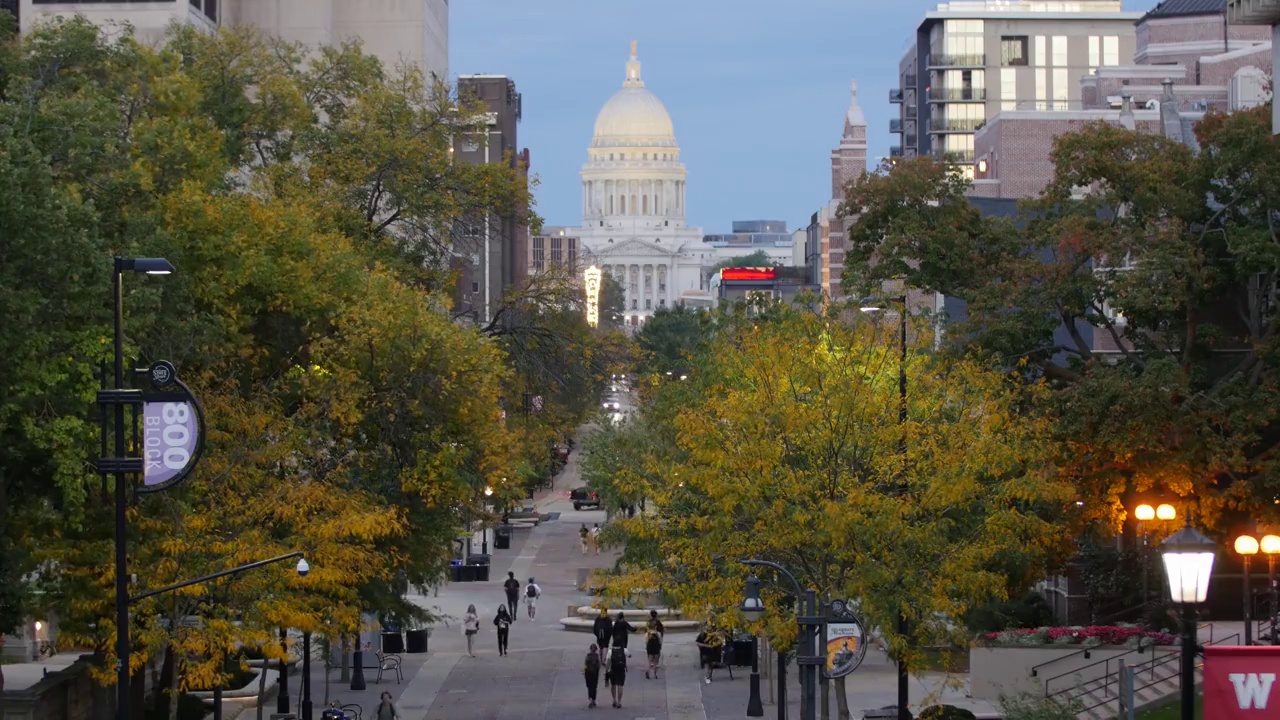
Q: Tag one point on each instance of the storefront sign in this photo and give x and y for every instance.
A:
(846, 641)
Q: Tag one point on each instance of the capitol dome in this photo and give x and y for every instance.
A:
(633, 117)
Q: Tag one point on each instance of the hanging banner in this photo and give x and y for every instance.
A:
(1240, 682)
(591, 279)
(846, 641)
(172, 430)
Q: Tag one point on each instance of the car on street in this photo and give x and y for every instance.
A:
(584, 498)
(611, 405)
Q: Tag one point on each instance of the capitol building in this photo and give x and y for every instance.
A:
(633, 205)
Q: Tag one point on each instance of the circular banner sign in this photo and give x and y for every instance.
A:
(172, 430)
(846, 641)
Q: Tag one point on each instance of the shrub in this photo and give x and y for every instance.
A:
(1090, 636)
(1029, 706)
(1030, 611)
(945, 712)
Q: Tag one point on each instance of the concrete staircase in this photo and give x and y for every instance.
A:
(1155, 681)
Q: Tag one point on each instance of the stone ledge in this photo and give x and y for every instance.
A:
(629, 613)
(578, 624)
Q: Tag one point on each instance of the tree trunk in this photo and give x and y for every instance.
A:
(171, 688)
(842, 700)
(826, 700)
(1, 664)
(345, 676)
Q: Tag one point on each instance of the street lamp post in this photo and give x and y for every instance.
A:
(869, 305)
(1270, 544)
(1188, 562)
(306, 676)
(810, 621)
(1144, 514)
(1247, 547)
(121, 465)
(484, 529)
(751, 607)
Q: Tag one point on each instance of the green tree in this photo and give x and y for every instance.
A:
(759, 258)
(1138, 283)
(672, 337)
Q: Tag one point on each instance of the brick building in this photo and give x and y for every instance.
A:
(1188, 60)
(825, 236)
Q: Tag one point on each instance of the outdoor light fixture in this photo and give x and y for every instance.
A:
(752, 607)
(1247, 545)
(1165, 511)
(488, 491)
(1188, 561)
(1144, 513)
(303, 567)
(1270, 544)
(39, 626)
(982, 166)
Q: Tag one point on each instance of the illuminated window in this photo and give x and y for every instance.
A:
(1060, 93)
(1059, 50)
(1042, 89)
(1042, 52)
(1111, 50)
(1095, 51)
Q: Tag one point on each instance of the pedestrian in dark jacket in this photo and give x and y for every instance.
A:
(502, 621)
(591, 672)
(621, 631)
(602, 628)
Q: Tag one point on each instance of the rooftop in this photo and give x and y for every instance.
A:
(1186, 8)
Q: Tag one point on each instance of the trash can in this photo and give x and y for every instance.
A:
(478, 566)
(415, 641)
(502, 538)
(392, 642)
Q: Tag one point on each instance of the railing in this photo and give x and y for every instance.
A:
(895, 125)
(956, 125)
(895, 151)
(955, 156)
(1151, 671)
(957, 94)
(895, 95)
(1106, 663)
(956, 60)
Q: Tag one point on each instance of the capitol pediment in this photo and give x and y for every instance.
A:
(636, 247)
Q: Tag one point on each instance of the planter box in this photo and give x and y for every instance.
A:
(996, 671)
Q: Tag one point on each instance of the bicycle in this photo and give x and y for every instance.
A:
(350, 711)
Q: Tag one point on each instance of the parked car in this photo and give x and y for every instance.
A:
(584, 498)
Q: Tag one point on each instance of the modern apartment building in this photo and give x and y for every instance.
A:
(492, 252)
(750, 236)
(1188, 60)
(974, 58)
(396, 31)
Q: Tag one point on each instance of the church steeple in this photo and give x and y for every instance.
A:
(633, 70)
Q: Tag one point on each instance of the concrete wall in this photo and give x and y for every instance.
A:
(69, 694)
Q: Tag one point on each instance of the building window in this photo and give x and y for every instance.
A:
(539, 257)
(635, 304)
(1008, 89)
(634, 205)
(645, 201)
(1013, 51)
(1111, 50)
(1059, 50)
(610, 205)
(1060, 90)
(475, 287)
(1095, 52)
(555, 250)
(610, 157)
(662, 302)
(1042, 89)
(470, 145)
(208, 7)
(573, 252)
(1042, 51)
(648, 304)
(622, 205)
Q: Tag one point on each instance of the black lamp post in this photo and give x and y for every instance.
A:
(870, 305)
(810, 621)
(1270, 544)
(484, 529)
(121, 466)
(1188, 562)
(753, 608)
(1247, 546)
(306, 676)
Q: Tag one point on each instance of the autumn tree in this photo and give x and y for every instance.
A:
(793, 452)
(1139, 283)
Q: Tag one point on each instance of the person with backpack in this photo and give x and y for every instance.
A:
(591, 672)
(595, 537)
(617, 674)
(602, 628)
(622, 631)
(653, 643)
(503, 622)
(710, 649)
(387, 708)
(531, 594)
(512, 586)
(583, 533)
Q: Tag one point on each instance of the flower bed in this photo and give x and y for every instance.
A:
(1086, 636)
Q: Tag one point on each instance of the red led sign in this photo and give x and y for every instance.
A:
(749, 273)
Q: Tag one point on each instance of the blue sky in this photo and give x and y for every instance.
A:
(757, 89)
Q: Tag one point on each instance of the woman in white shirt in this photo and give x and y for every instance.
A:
(471, 626)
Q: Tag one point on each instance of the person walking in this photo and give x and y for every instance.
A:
(583, 534)
(531, 594)
(387, 708)
(617, 673)
(502, 621)
(602, 628)
(591, 672)
(471, 626)
(653, 643)
(595, 537)
(710, 645)
(512, 586)
(621, 631)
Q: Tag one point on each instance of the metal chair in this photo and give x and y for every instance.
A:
(388, 663)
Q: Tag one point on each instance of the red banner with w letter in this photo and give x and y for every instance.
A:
(1241, 683)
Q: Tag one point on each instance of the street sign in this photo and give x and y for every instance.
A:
(172, 430)
(846, 641)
